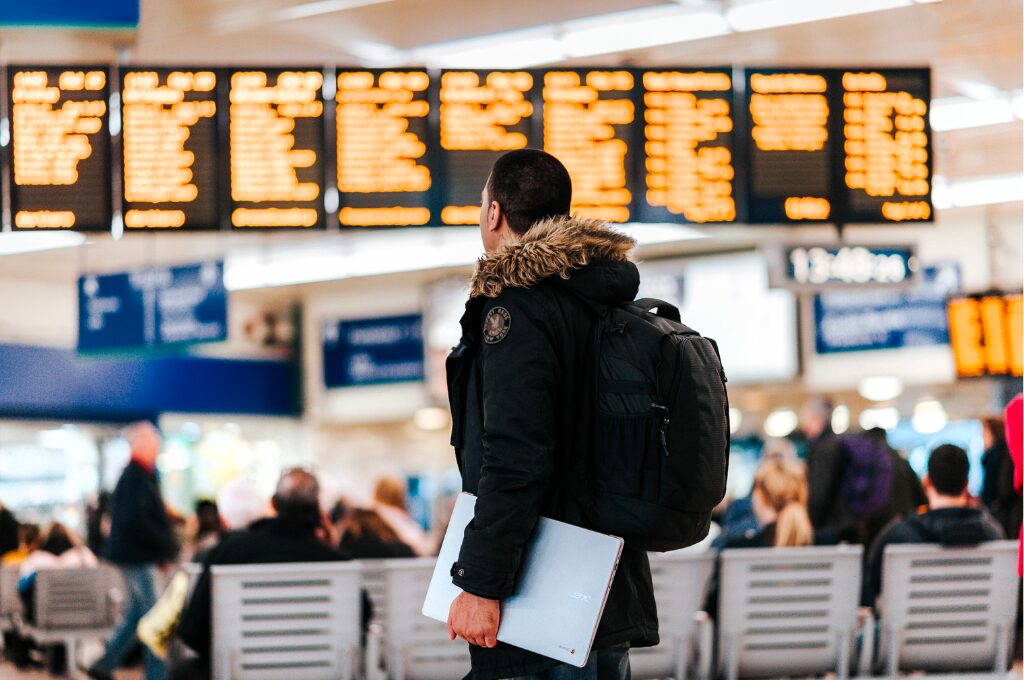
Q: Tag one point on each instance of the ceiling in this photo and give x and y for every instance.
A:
(970, 44)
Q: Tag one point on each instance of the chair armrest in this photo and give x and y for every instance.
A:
(115, 603)
(705, 644)
(866, 658)
(372, 653)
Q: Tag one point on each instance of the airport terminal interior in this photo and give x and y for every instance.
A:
(249, 227)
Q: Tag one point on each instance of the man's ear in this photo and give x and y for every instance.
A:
(494, 216)
(273, 503)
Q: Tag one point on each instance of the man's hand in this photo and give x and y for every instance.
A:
(474, 619)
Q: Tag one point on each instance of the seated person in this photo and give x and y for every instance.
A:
(948, 521)
(739, 519)
(779, 502)
(290, 536)
(238, 506)
(367, 537)
(29, 539)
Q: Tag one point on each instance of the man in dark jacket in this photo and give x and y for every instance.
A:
(826, 464)
(523, 410)
(948, 521)
(140, 541)
(290, 536)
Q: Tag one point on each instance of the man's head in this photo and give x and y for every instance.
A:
(144, 440)
(816, 417)
(298, 497)
(524, 187)
(946, 483)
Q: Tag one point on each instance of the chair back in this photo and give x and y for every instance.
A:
(10, 602)
(273, 621)
(788, 611)
(948, 609)
(73, 598)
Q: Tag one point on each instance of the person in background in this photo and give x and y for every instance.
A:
(779, 503)
(368, 537)
(239, 504)
(948, 521)
(289, 536)
(906, 495)
(739, 519)
(1015, 445)
(826, 464)
(141, 540)
(339, 515)
(208, 525)
(997, 490)
(8, 530)
(28, 540)
(389, 497)
(97, 523)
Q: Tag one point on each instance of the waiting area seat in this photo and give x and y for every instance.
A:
(948, 610)
(274, 621)
(788, 612)
(10, 602)
(680, 580)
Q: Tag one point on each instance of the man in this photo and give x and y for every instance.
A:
(289, 536)
(948, 521)
(140, 541)
(825, 465)
(523, 410)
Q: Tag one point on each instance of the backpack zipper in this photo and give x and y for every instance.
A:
(663, 428)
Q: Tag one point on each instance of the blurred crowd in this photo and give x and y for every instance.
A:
(851, 488)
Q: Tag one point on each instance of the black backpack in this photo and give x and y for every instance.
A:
(661, 427)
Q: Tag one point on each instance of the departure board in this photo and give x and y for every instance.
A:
(381, 124)
(60, 147)
(483, 114)
(169, 139)
(688, 146)
(887, 148)
(275, 148)
(790, 146)
(589, 125)
(985, 332)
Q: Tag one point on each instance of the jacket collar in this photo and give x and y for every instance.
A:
(551, 247)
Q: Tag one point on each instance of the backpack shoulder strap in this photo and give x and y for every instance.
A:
(665, 309)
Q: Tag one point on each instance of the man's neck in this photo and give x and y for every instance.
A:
(937, 502)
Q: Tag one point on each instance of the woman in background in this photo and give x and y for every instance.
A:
(390, 504)
(368, 537)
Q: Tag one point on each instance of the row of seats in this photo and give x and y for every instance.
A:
(790, 612)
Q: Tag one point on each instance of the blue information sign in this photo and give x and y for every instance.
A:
(152, 307)
(71, 13)
(848, 321)
(373, 351)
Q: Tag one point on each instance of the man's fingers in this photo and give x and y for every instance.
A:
(490, 641)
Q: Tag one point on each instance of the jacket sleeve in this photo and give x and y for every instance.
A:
(824, 473)
(520, 375)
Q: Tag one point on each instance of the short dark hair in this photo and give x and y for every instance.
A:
(947, 469)
(530, 185)
(298, 496)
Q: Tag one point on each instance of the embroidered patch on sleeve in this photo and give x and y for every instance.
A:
(496, 325)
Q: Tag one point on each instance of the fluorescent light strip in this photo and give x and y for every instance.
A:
(755, 16)
(976, 191)
(625, 31)
(959, 113)
(19, 242)
(320, 7)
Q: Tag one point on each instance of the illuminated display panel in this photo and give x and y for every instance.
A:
(169, 136)
(887, 145)
(60, 147)
(589, 124)
(688, 146)
(986, 336)
(483, 114)
(383, 178)
(276, 147)
(790, 146)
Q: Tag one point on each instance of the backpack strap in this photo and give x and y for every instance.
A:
(665, 310)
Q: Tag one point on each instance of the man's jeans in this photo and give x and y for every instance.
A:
(606, 664)
(141, 596)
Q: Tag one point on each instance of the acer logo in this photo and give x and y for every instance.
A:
(581, 597)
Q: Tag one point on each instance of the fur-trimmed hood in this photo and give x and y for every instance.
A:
(558, 247)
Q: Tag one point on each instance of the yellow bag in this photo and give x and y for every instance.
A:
(158, 626)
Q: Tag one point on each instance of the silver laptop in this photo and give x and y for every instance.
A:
(563, 585)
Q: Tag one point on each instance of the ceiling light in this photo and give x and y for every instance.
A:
(885, 418)
(841, 419)
(319, 7)
(880, 388)
(958, 113)
(517, 49)
(735, 420)
(780, 423)
(431, 419)
(986, 190)
(929, 417)
(755, 16)
(18, 242)
(638, 29)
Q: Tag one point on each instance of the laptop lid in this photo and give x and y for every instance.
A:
(563, 585)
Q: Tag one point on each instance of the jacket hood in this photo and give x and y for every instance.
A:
(956, 526)
(591, 257)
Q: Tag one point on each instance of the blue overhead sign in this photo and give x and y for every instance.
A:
(71, 13)
(152, 307)
(848, 321)
(373, 351)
